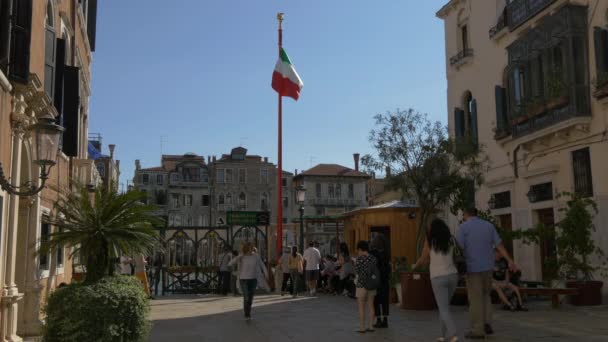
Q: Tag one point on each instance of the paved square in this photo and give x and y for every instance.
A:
(334, 319)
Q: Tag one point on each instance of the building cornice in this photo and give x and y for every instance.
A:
(447, 8)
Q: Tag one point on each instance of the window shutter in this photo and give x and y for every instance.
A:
(92, 22)
(59, 70)
(473, 132)
(600, 36)
(49, 62)
(501, 108)
(459, 122)
(19, 60)
(71, 110)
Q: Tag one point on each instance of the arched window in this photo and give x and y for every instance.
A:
(242, 201)
(465, 120)
(220, 199)
(264, 201)
(228, 198)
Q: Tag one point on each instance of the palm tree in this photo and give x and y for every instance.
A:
(101, 226)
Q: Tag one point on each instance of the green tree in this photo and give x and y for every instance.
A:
(425, 163)
(101, 226)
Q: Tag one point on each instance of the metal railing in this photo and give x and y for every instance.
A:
(468, 52)
(520, 11)
(503, 22)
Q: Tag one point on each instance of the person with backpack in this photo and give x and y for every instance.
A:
(439, 253)
(379, 249)
(367, 282)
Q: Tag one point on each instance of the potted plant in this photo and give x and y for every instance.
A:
(576, 249)
(417, 292)
(399, 266)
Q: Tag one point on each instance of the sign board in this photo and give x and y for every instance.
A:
(248, 218)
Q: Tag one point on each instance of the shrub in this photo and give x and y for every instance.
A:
(114, 309)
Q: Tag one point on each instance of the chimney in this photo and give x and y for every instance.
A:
(213, 159)
(111, 147)
(208, 159)
(388, 171)
(265, 159)
(296, 172)
(118, 164)
(137, 164)
(356, 157)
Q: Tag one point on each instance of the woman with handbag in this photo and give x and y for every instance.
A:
(296, 267)
(439, 252)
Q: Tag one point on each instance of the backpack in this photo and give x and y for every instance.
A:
(371, 281)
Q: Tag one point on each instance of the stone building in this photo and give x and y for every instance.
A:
(179, 187)
(331, 190)
(107, 167)
(46, 51)
(527, 81)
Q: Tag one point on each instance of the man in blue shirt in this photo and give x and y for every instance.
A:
(479, 240)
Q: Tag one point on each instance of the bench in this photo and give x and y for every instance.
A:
(554, 293)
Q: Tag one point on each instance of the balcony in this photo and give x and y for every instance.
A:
(544, 119)
(461, 57)
(86, 173)
(502, 24)
(520, 11)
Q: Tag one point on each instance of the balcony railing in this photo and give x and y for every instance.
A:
(546, 119)
(461, 56)
(503, 22)
(520, 11)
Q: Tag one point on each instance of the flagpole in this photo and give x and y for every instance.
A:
(280, 158)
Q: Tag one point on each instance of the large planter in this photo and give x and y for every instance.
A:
(416, 291)
(589, 292)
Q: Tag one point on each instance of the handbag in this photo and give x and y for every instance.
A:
(458, 257)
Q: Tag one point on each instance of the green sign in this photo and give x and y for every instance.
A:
(248, 218)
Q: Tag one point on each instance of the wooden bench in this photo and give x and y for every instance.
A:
(554, 293)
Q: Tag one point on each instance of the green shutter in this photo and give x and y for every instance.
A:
(501, 109)
(600, 37)
(473, 132)
(459, 123)
(92, 22)
(71, 110)
(49, 62)
(19, 59)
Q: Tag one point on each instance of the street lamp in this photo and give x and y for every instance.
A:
(301, 194)
(46, 136)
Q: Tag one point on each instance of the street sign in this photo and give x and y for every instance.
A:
(248, 218)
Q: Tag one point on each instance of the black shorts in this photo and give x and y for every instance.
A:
(312, 275)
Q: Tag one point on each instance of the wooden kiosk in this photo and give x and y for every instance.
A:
(396, 220)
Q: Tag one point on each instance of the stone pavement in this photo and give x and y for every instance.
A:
(334, 319)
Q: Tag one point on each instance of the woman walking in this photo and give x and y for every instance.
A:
(379, 250)
(364, 268)
(249, 266)
(296, 267)
(439, 251)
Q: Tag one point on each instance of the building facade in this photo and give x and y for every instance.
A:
(179, 187)
(331, 190)
(527, 81)
(46, 51)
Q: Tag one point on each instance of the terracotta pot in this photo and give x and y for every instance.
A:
(589, 292)
(417, 293)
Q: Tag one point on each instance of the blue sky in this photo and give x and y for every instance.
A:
(198, 72)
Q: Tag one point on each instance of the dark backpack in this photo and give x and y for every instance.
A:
(372, 279)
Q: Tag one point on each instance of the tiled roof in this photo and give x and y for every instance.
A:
(332, 170)
(170, 161)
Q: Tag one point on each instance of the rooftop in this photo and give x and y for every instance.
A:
(332, 170)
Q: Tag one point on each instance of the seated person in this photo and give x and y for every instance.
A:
(328, 272)
(502, 281)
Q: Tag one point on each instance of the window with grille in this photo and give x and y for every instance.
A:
(581, 164)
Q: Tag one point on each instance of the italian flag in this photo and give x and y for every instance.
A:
(285, 79)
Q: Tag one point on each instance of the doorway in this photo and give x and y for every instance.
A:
(385, 233)
(548, 248)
